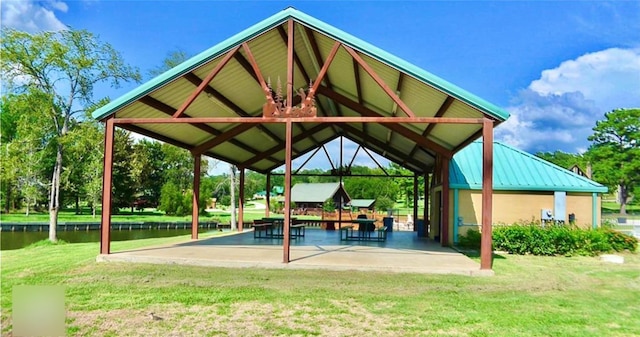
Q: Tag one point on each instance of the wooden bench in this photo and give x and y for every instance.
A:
(378, 234)
(260, 227)
(297, 230)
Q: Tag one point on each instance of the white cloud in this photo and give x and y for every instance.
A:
(31, 16)
(610, 77)
(558, 110)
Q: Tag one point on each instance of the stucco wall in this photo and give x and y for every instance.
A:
(510, 207)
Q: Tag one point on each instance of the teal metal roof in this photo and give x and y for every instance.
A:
(515, 170)
(362, 203)
(320, 26)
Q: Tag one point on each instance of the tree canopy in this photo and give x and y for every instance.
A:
(615, 153)
(62, 67)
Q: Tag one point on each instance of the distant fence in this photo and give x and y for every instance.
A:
(87, 226)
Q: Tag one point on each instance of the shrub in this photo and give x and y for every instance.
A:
(560, 240)
(620, 241)
(471, 240)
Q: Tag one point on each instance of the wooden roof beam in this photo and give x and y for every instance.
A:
(216, 70)
(441, 111)
(377, 143)
(318, 57)
(285, 39)
(305, 151)
(160, 106)
(217, 140)
(417, 138)
(151, 134)
(195, 80)
(275, 149)
(380, 81)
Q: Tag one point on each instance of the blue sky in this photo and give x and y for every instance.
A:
(556, 66)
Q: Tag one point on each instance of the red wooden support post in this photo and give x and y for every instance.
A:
(268, 195)
(486, 253)
(287, 192)
(105, 224)
(241, 201)
(426, 203)
(444, 234)
(196, 196)
(290, 32)
(415, 202)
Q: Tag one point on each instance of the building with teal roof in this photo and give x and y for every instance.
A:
(525, 188)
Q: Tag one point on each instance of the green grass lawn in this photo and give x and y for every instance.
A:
(125, 215)
(612, 210)
(528, 296)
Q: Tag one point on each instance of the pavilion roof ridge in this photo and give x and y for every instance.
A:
(315, 24)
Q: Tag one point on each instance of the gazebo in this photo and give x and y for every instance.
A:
(290, 84)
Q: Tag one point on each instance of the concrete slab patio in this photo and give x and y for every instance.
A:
(319, 249)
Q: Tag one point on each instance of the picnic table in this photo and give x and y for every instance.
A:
(273, 228)
(366, 232)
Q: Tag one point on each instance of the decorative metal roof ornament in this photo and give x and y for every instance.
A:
(276, 105)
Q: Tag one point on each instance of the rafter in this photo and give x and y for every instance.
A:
(318, 57)
(205, 82)
(225, 136)
(418, 139)
(162, 107)
(168, 140)
(302, 153)
(441, 111)
(380, 81)
(377, 143)
(285, 40)
(275, 149)
(284, 36)
(195, 80)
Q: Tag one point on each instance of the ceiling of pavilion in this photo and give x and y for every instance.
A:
(347, 90)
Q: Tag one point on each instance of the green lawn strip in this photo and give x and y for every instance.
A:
(528, 296)
(64, 217)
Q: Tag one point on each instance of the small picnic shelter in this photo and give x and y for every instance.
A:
(292, 83)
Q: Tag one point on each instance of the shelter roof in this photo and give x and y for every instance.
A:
(314, 192)
(362, 203)
(360, 81)
(515, 170)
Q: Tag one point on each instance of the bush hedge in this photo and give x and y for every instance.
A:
(553, 240)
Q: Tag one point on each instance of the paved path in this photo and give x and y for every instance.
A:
(318, 250)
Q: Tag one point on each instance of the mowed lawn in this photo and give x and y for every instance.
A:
(528, 296)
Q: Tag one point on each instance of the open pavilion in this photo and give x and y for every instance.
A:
(290, 84)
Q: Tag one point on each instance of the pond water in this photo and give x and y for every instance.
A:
(17, 240)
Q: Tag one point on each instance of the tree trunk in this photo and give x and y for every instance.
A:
(7, 201)
(78, 210)
(623, 199)
(54, 200)
(232, 189)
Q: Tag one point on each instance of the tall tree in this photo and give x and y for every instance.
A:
(148, 170)
(564, 159)
(65, 66)
(27, 152)
(173, 58)
(615, 153)
(123, 181)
